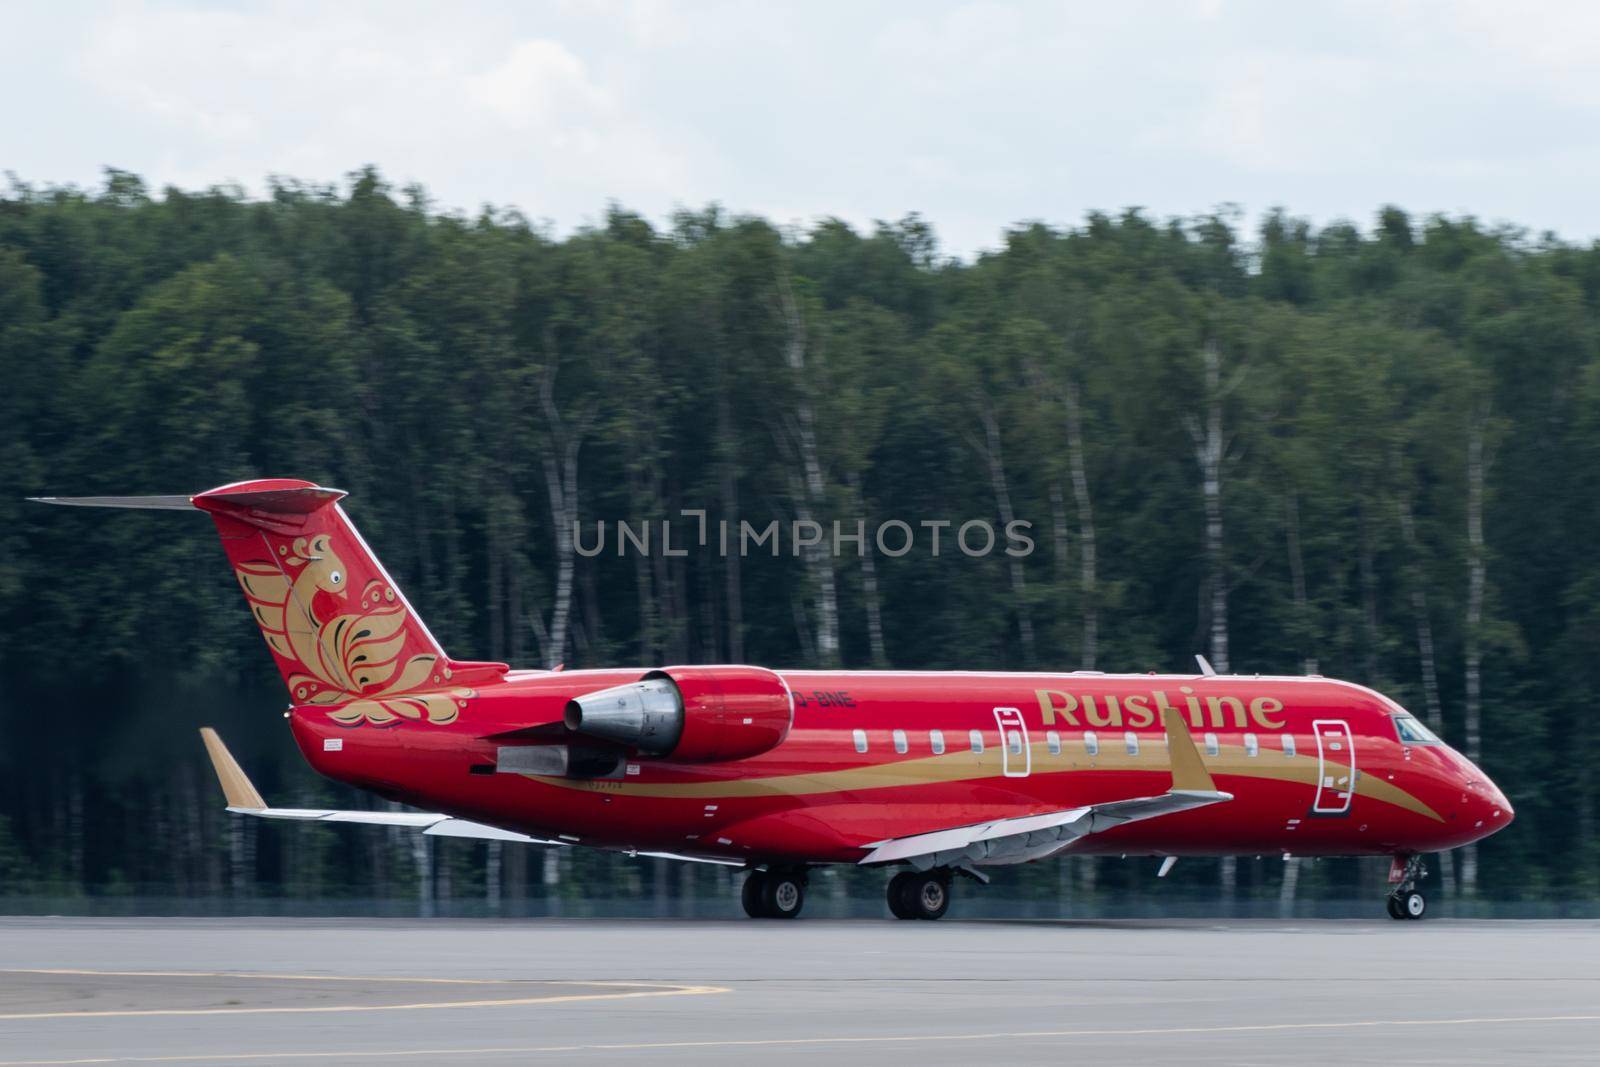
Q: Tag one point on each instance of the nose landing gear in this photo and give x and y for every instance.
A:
(1405, 899)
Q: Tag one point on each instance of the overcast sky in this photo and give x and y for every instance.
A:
(978, 115)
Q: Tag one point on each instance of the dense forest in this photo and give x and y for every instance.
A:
(1367, 451)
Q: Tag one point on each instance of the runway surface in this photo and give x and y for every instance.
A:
(258, 991)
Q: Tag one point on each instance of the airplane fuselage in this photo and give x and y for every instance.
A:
(1315, 766)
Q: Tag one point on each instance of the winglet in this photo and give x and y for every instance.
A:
(235, 785)
(1188, 772)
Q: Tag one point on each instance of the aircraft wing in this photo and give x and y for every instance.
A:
(243, 799)
(1031, 837)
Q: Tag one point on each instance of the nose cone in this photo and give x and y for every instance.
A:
(1504, 812)
(1484, 803)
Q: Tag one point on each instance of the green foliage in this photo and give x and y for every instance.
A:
(440, 367)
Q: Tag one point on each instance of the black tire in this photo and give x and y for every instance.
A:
(783, 895)
(1414, 905)
(1395, 909)
(927, 896)
(754, 895)
(899, 905)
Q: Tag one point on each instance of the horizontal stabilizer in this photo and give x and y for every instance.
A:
(149, 503)
(278, 499)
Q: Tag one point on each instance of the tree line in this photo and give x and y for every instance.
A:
(1366, 452)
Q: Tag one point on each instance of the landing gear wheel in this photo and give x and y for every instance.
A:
(926, 896)
(783, 895)
(754, 894)
(898, 903)
(1406, 900)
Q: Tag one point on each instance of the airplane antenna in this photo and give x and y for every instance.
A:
(1205, 665)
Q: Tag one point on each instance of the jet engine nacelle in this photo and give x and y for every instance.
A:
(690, 714)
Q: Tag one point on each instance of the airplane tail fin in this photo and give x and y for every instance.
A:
(341, 632)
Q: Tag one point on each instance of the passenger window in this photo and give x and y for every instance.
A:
(1288, 744)
(900, 742)
(1053, 739)
(1014, 740)
(861, 740)
(1212, 748)
(1131, 740)
(936, 741)
(1252, 747)
(1091, 743)
(976, 737)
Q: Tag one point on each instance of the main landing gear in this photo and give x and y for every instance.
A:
(774, 894)
(920, 894)
(1406, 900)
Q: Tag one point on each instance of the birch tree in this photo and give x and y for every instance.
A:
(560, 464)
(810, 487)
(993, 452)
(1088, 579)
(1210, 448)
(1062, 389)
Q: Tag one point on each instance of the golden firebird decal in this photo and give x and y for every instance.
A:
(354, 659)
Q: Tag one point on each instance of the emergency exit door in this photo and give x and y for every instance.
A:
(1336, 767)
(1016, 758)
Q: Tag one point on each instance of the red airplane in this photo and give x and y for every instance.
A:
(931, 773)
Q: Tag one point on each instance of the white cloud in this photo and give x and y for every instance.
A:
(978, 114)
(540, 84)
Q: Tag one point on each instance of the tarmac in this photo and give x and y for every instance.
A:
(268, 991)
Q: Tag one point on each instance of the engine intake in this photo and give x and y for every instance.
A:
(690, 714)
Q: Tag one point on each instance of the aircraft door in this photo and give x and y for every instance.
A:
(1016, 757)
(1336, 767)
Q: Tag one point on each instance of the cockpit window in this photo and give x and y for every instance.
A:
(1413, 732)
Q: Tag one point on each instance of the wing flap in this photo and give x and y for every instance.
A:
(1117, 812)
(481, 832)
(416, 820)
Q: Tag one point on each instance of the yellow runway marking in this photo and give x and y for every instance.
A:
(796, 1042)
(636, 990)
